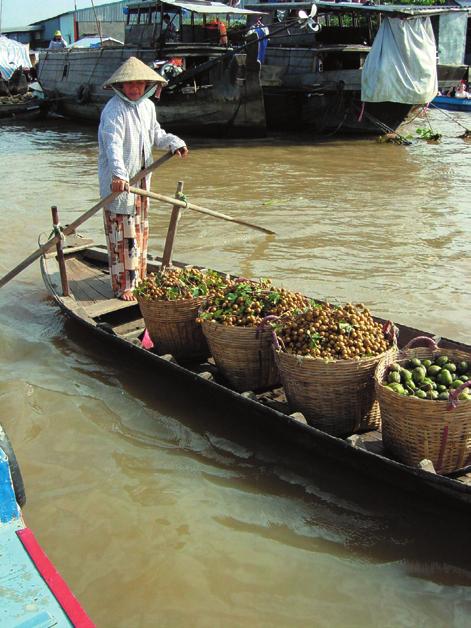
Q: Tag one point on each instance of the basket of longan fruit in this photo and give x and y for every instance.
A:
(326, 357)
(234, 324)
(169, 300)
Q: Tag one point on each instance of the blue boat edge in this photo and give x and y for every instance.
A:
(34, 594)
(451, 103)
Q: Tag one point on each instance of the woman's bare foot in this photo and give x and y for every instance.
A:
(128, 296)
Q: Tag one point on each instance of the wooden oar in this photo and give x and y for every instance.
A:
(196, 208)
(73, 225)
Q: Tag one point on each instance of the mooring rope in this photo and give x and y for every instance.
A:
(449, 116)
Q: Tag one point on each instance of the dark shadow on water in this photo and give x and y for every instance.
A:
(367, 519)
(87, 131)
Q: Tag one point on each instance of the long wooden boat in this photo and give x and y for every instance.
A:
(312, 69)
(452, 104)
(22, 108)
(214, 89)
(120, 324)
(33, 592)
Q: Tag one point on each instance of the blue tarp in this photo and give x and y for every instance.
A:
(96, 42)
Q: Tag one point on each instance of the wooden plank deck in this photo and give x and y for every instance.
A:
(91, 288)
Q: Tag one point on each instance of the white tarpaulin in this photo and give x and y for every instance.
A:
(402, 63)
(12, 55)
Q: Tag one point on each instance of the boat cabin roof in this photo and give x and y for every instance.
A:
(350, 7)
(195, 6)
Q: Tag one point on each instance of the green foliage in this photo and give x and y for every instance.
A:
(428, 135)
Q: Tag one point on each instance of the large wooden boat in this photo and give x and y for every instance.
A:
(213, 88)
(120, 324)
(313, 67)
(33, 592)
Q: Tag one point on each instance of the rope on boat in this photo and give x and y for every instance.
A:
(384, 127)
(468, 131)
(57, 230)
(182, 197)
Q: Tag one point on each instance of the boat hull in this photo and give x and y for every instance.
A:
(121, 325)
(322, 112)
(226, 101)
(25, 108)
(452, 104)
(324, 102)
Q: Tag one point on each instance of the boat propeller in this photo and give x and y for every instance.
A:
(308, 21)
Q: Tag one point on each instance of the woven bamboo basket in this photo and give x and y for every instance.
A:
(417, 429)
(337, 397)
(243, 355)
(173, 329)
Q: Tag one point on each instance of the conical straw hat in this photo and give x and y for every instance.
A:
(133, 69)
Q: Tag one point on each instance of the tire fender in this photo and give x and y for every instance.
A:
(15, 472)
(83, 94)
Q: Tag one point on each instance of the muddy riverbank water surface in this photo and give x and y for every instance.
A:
(163, 509)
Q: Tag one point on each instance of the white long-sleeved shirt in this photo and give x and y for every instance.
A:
(57, 45)
(126, 135)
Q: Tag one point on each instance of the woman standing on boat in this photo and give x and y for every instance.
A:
(128, 130)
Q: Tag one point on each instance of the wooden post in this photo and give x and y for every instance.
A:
(172, 230)
(60, 254)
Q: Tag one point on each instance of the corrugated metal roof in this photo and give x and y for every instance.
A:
(22, 29)
(112, 12)
(197, 6)
(326, 5)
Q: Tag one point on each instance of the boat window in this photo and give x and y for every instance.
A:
(154, 14)
(133, 17)
(143, 16)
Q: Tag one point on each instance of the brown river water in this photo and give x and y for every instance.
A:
(161, 507)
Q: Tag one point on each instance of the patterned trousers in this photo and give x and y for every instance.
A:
(126, 238)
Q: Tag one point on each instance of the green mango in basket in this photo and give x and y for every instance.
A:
(394, 377)
(397, 388)
(462, 367)
(418, 374)
(433, 370)
(444, 377)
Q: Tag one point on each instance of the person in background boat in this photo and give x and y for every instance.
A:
(128, 130)
(169, 32)
(217, 24)
(460, 91)
(57, 42)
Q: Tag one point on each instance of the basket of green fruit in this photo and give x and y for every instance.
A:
(326, 357)
(169, 301)
(240, 343)
(425, 401)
